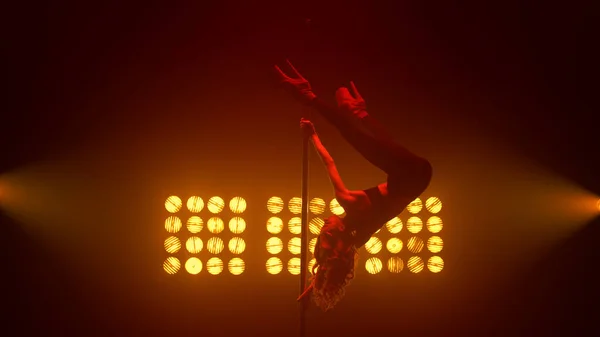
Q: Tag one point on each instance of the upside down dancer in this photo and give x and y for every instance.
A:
(408, 175)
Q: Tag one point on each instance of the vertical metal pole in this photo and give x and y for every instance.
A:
(304, 233)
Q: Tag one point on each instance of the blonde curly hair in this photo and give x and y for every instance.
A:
(335, 257)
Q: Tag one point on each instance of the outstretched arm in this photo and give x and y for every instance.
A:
(341, 192)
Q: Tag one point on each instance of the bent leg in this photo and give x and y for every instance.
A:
(379, 149)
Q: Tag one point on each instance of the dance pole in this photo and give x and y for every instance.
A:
(304, 230)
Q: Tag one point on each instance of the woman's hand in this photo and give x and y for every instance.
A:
(298, 85)
(307, 127)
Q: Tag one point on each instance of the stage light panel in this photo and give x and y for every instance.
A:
(374, 245)
(215, 225)
(215, 245)
(394, 226)
(315, 225)
(195, 224)
(415, 244)
(172, 245)
(415, 264)
(294, 245)
(237, 205)
(274, 225)
(435, 244)
(373, 265)
(415, 206)
(395, 264)
(173, 224)
(275, 205)
(311, 245)
(394, 245)
(316, 206)
(435, 224)
(237, 245)
(195, 204)
(193, 265)
(295, 205)
(274, 245)
(295, 225)
(294, 266)
(274, 265)
(215, 205)
(214, 266)
(173, 204)
(336, 208)
(194, 245)
(433, 205)
(435, 264)
(414, 224)
(237, 225)
(236, 266)
(171, 265)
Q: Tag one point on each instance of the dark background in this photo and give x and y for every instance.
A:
(110, 108)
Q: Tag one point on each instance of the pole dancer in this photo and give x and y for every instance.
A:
(408, 175)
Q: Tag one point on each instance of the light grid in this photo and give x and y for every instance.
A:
(201, 236)
(409, 241)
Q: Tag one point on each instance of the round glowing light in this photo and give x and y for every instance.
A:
(434, 205)
(435, 224)
(274, 265)
(172, 245)
(317, 206)
(414, 225)
(193, 265)
(237, 245)
(598, 204)
(237, 205)
(373, 265)
(395, 265)
(295, 205)
(394, 226)
(215, 205)
(336, 208)
(236, 266)
(311, 245)
(274, 225)
(435, 244)
(415, 206)
(435, 264)
(294, 246)
(275, 205)
(195, 224)
(215, 245)
(214, 266)
(194, 245)
(173, 224)
(215, 225)
(274, 245)
(311, 264)
(415, 244)
(195, 204)
(295, 225)
(237, 225)
(294, 266)
(315, 225)
(171, 265)
(394, 245)
(173, 204)
(374, 245)
(415, 264)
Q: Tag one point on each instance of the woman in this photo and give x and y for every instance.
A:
(408, 175)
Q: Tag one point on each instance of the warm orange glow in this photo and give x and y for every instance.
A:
(395, 265)
(317, 206)
(435, 244)
(434, 205)
(215, 205)
(171, 265)
(173, 204)
(598, 204)
(415, 244)
(414, 225)
(195, 224)
(394, 226)
(295, 205)
(294, 245)
(236, 266)
(336, 208)
(274, 245)
(394, 245)
(274, 265)
(237, 225)
(311, 264)
(215, 245)
(435, 224)
(194, 245)
(215, 225)
(195, 204)
(294, 266)
(315, 225)
(172, 245)
(173, 224)
(237, 205)
(311, 245)
(237, 245)
(275, 205)
(415, 264)
(214, 266)
(274, 225)
(373, 265)
(193, 265)
(435, 264)
(374, 245)
(415, 206)
(295, 225)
